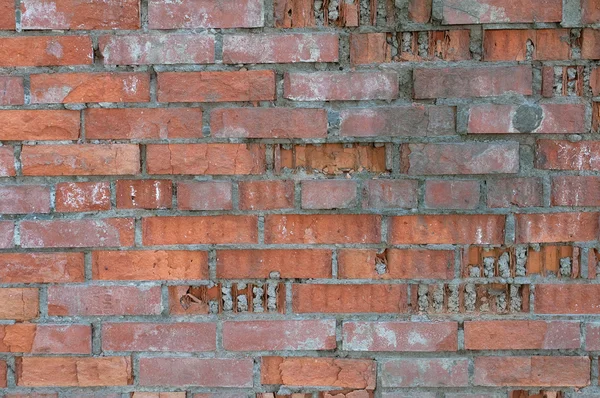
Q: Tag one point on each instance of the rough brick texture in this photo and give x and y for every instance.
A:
(299, 198)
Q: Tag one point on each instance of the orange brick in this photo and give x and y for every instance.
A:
(199, 230)
(223, 159)
(254, 85)
(20, 304)
(73, 15)
(369, 48)
(80, 159)
(447, 229)
(149, 265)
(44, 338)
(541, 371)
(365, 298)
(143, 123)
(250, 264)
(41, 267)
(73, 371)
(326, 372)
(322, 228)
(266, 195)
(45, 51)
(395, 264)
(90, 87)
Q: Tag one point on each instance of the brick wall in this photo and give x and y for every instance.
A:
(299, 198)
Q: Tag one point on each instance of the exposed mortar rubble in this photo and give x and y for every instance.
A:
(552, 261)
(493, 298)
(229, 298)
(446, 45)
(567, 81)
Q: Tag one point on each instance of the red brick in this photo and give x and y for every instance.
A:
(400, 336)
(251, 264)
(203, 372)
(425, 372)
(143, 123)
(398, 121)
(11, 88)
(73, 371)
(90, 87)
(590, 11)
(521, 335)
(501, 11)
(334, 158)
(365, 298)
(590, 40)
(41, 267)
(557, 227)
(390, 194)
(45, 51)
(90, 300)
(38, 125)
(268, 123)
(441, 194)
(3, 369)
(7, 161)
(80, 159)
(149, 265)
(144, 194)
(520, 192)
(89, 232)
(7, 22)
(322, 228)
(567, 299)
(76, 14)
(399, 264)
(266, 195)
(472, 82)
(204, 195)
(575, 191)
(82, 196)
(200, 230)
(280, 48)
(419, 10)
(480, 229)
(7, 230)
(294, 13)
(460, 158)
(170, 337)
(322, 372)
(511, 44)
(224, 86)
(544, 119)
(539, 371)
(188, 14)
(369, 48)
(328, 194)
(592, 336)
(20, 304)
(213, 158)
(145, 49)
(24, 199)
(279, 335)
(566, 155)
(46, 339)
(340, 86)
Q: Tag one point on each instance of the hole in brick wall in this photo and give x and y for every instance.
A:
(260, 297)
(552, 261)
(494, 298)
